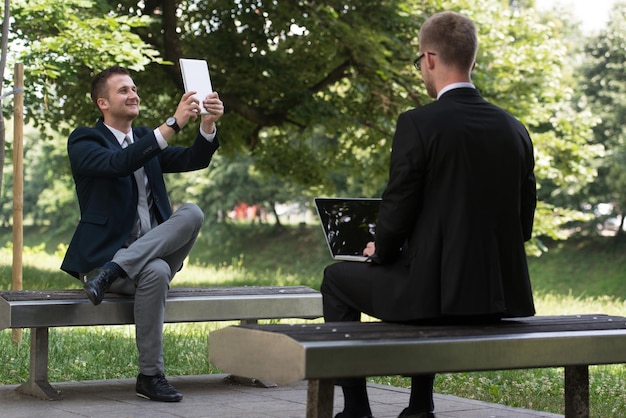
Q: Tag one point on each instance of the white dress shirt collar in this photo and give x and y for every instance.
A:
(455, 86)
(119, 135)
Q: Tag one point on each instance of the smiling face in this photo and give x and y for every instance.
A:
(119, 102)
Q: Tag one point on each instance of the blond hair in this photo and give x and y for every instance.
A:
(453, 37)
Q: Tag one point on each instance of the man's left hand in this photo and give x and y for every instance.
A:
(370, 249)
(215, 107)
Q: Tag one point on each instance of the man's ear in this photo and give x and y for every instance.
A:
(102, 103)
(430, 63)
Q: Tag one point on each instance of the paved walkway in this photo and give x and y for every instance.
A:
(210, 396)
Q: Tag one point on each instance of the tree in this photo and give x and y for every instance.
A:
(313, 88)
(604, 82)
(285, 70)
(60, 44)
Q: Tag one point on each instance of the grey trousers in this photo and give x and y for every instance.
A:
(151, 263)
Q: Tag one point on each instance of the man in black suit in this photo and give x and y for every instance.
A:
(457, 209)
(128, 240)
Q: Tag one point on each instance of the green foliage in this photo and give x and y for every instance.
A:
(604, 84)
(61, 44)
(311, 90)
(49, 197)
(304, 84)
(232, 181)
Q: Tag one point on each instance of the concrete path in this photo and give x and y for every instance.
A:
(211, 396)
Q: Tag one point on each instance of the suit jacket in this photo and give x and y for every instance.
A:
(462, 193)
(107, 191)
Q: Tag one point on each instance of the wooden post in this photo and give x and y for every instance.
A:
(18, 183)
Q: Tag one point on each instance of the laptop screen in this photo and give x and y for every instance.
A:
(348, 224)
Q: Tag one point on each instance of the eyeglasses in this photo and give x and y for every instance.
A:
(418, 61)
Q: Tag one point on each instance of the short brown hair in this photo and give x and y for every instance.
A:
(99, 81)
(453, 37)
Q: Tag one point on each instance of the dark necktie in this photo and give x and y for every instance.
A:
(143, 211)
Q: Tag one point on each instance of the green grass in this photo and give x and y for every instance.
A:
(592, 267)
(579, 276)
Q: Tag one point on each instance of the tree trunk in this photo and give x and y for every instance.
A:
(277, 224)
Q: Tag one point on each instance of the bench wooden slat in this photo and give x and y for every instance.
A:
(388, 331)
(58, 295)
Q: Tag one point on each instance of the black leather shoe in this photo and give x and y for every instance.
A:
(405, 414)
(97, 286)
(156, 388)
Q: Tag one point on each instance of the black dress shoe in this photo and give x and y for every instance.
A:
(406, 414)
(97, 286)
(156, 388)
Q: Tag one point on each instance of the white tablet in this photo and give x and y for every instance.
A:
(196, 78)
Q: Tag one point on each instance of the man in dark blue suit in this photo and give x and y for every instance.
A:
(458, 207)
(128, 240)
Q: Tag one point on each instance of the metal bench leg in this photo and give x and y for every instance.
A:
(320, 395)
(37, 384)
(576, 391)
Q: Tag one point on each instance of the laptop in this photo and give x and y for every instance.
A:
(348, 224)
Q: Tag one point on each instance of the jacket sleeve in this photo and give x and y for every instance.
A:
(401, 198)
(175, 159)
(528, 198)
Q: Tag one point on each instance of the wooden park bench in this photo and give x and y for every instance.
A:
(40, 310)
(320, 353)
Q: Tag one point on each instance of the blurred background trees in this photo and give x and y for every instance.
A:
(312, 91)
(603, 78)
